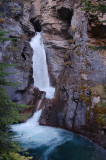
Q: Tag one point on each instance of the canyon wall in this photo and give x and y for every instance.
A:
(15, 25)
(77, 70)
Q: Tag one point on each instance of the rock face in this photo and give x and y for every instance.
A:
(26, 24)
(75, 68)
(15, 22)
(33, 96)
(55, 31)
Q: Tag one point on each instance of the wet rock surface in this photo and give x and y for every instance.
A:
(56, 37)
(75, 67)
(16, 51)
(25, 21)
(32, 97)
(77, 71)
(16, 23)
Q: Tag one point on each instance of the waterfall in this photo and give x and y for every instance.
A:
(40, 70)
(49, 143)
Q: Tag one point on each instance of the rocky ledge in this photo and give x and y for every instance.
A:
(15, 24)
(76, 68)
(80, 81)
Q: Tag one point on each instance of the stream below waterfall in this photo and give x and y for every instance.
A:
(48, 143)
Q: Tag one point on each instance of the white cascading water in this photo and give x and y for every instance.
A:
(32, 135)
(32, 131)
(40, 70)
(48, 143)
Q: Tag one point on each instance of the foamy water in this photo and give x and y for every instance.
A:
(50, 143)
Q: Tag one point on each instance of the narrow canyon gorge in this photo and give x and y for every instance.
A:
(61, 74)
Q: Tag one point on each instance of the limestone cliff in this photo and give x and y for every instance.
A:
(76, 70)
(15, 23)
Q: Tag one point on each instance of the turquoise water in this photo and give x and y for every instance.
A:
(48, 143)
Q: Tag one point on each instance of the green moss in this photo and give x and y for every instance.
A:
(76, 89)
(86, 63)
(87, 99)
(24, 37)
(27, 67)
(68, 63)
(13, 9)
(12, 49)
(67, 53)
(6, 57)
(75, 46)
(95, 7)
(97, 47)
(98, 90)
(78, 52)
(15, 156)
(100, 112)
(73, 41)
(24, 67)
(82, 88)
(99, 109)
(2, 20)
